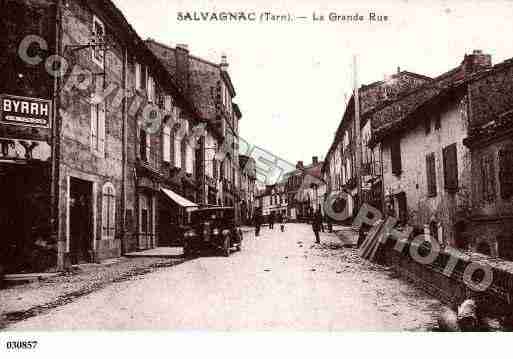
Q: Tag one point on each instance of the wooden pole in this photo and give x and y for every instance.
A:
(357, 131)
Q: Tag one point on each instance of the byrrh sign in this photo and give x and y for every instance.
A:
(25, 111)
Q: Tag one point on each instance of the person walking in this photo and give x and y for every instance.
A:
(281, 221)
(271, 220)
(258, 222)
(316, 225)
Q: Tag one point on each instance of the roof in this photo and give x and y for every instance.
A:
(401, 113)
(373, 96)
(136, 42)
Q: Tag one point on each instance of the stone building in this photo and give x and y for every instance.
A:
(302, 187)
(340, 168)
(490, 141)
(248, 189)
(427, 170)
(95, 136)
(209, 87)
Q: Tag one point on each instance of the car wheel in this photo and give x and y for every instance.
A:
(226, 246)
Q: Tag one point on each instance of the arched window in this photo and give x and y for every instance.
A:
(108, 211)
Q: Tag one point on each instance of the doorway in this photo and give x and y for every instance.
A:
(80, 221)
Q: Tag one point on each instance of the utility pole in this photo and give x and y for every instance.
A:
(357, 132)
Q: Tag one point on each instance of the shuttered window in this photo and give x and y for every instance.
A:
(488, 178)
(506, 172)
(431, 174)
(395, 152)
(98, 128)
(166, 145)
(108, 211)
(450, 155)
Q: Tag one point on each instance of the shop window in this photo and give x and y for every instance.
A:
(431, 175)
(450, 155)
(506, 172)
(395, 152)
(402, 207)
(108, 211)
(98, 128)
(98, 47)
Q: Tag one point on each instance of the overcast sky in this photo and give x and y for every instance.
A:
(292, 79)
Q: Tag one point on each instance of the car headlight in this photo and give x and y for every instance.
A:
(215, 232)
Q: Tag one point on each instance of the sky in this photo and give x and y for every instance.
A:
(293, 79)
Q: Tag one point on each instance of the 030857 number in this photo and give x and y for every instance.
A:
(21, 345)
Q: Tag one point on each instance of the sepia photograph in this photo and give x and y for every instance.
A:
(233, 167)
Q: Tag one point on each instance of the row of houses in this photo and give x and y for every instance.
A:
(298, 193)
(437, 153)
(84, 179)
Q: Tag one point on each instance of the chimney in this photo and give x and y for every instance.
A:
(475, 62)
(315, 160)
(224, 63)
(182, 67)
(300, 165)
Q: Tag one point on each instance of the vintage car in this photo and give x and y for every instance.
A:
(213, 227)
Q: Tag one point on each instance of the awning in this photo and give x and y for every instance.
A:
(183, 202)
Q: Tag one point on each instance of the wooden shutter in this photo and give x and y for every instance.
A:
(450, 155)
(101, 129)
(431, 174)
(166, 144)
(395, 152)
(148, 148)
(488, 178)
(94, 127)
(506, 172)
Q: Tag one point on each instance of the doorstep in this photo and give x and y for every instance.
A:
(28, 277)
(159, 252)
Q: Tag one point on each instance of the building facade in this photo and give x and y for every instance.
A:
(248, 189)
(104, 143)
(209, 87)
(340, 170)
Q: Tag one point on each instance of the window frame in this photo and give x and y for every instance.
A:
(108, 211)
(96, 49)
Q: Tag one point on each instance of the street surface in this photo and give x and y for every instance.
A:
(278, 282)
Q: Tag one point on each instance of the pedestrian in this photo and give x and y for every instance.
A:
(281, 219)
(271, 220)
(258, 222)
(316, 225)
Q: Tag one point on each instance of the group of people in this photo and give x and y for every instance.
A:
(317, 223)
(273, 218)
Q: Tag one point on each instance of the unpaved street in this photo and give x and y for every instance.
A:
(278, 282)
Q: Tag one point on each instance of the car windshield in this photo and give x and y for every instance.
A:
(211, 215)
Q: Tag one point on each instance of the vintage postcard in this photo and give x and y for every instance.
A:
(233, 166)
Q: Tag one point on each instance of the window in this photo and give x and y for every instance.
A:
(145, 146)
(166, 144)
(98, 47)
(138, 76)
(506, 172)
(402, 207)
(177, 150)
(189, 162)
(151, 89)
(427, 125)
(488, 178)
(98, 128)
(395, 153)
(108, 211)
(450, 154)
(431, 174)
(438, 121)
